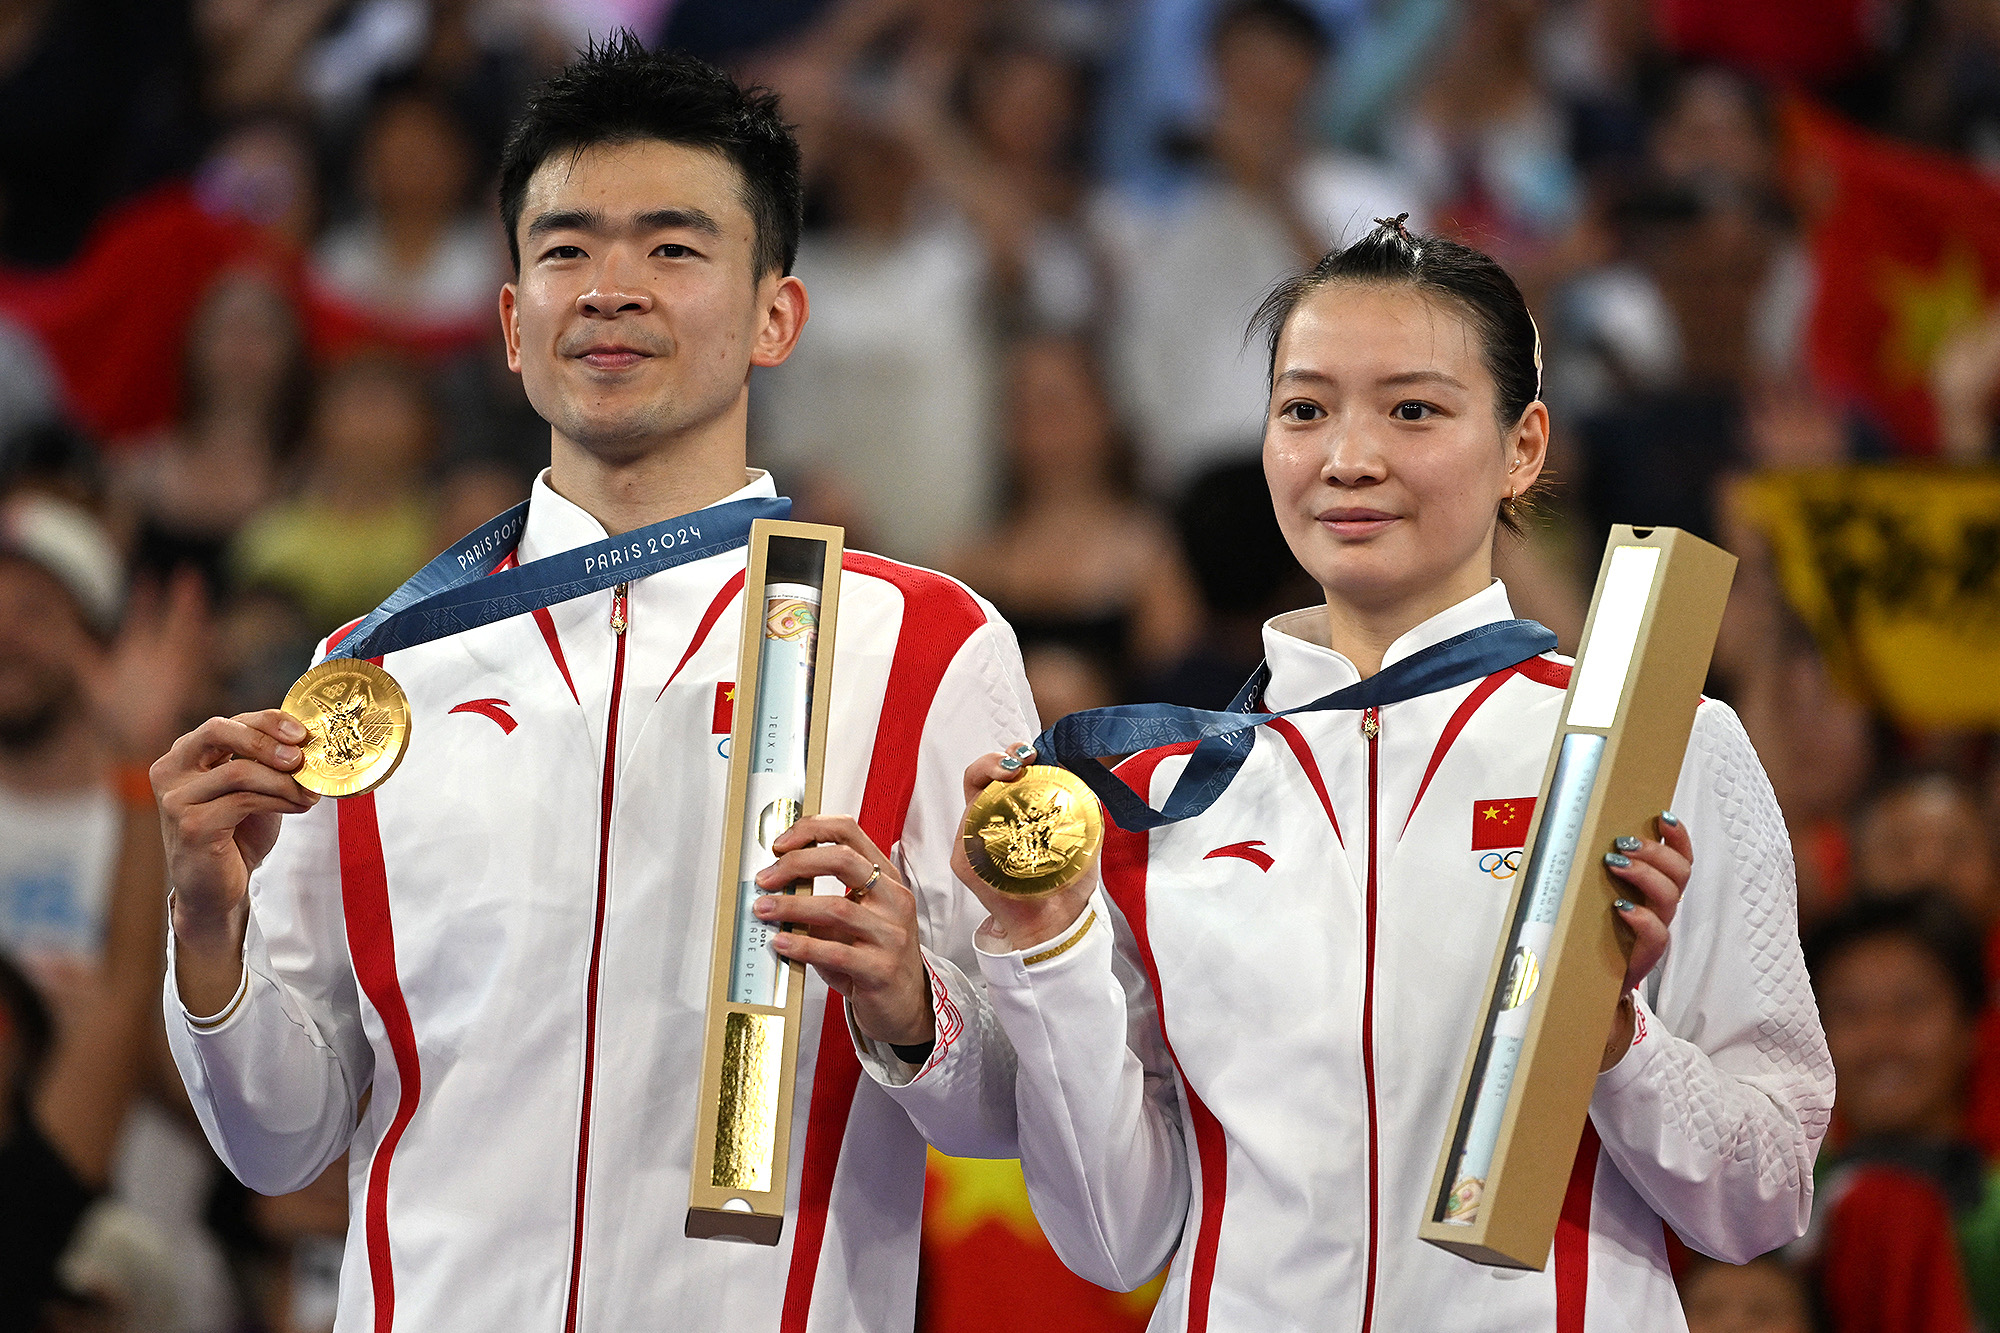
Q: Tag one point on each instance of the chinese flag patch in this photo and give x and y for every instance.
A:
(725, 707)
(1501, 822)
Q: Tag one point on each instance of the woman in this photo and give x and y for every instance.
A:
(1120, 600)
(1242, 1048)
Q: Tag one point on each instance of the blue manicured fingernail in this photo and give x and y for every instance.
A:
(1615, 861)
(1023, 751)
(1621, 904)
(1626, 844)
(1010, 764)
(1670, 819)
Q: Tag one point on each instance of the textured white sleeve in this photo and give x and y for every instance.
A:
(275, 1081)
(962, 1098)
(1102, 1146)
(1716, 1113)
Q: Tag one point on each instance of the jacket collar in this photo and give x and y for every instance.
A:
(555, 524)
(1303, 667)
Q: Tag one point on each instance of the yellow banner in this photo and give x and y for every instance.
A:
(1897, 571)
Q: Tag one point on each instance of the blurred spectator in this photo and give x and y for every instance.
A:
(96, 99)
(1244, 573)
(1921, 829)
(241, 403)
(1963, 381)
(1907, 1225)
(1012, 169)
(1077, 561)
(1190, 270)
(81, 883)
(264, 171)
(1762, 1296)
(1483, 141)
(361, 522)
(894, 386)
(61, 598)
(417, 257)
(1945, 90)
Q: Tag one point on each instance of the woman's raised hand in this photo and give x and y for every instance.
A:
(1017, 923)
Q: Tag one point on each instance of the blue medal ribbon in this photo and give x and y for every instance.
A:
(1225, 738)
(459, 591)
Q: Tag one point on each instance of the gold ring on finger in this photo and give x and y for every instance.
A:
(860, 891)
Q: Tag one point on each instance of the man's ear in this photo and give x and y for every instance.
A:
(510, 327)
(784, 309)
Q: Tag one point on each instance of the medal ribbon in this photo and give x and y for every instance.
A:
(1226, 737)
(459, 591)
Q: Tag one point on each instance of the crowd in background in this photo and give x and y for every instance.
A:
(251, 378)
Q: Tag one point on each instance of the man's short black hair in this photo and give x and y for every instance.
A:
(1288, 18)
(619, 92)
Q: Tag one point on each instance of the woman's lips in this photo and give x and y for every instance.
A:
(1356, 523)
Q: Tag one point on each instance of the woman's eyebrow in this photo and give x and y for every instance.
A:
(1420, 377)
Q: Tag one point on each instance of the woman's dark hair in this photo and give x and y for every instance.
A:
(619, 92)
(1458, 275)
(1927, 919)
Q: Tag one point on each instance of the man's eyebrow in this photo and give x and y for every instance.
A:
(594, 220)
(693, 219)
(566, 219)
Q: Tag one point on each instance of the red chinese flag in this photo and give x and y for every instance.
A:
(1501, 822)
(725, 707)
(1906, 244)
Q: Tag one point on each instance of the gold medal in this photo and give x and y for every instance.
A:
(359, 720)
(1036, 834)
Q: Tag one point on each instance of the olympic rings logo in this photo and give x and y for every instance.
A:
(1501, 865)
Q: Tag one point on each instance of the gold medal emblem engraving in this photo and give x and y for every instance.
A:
(359, 724)
(1036, 834)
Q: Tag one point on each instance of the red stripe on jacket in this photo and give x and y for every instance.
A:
(1125, 856)
(708, 619)
(938, 617)
(1572, 1247)
(1303, 753)
(546, 623)
(1459, 717)
(371, 940)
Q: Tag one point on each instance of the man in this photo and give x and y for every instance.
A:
(489, 977)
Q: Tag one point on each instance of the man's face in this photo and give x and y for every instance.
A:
(637, 313)
(1900, 1043)
(44, 649)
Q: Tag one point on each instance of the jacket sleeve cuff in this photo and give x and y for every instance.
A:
(1647, 1037)
(880, 1059)
(999, 963)
(204, 1024)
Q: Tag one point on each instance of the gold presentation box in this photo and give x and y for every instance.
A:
(1525, 1093)
(777, 758)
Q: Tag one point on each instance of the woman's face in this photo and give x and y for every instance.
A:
(1385, 458)
(1061, 422)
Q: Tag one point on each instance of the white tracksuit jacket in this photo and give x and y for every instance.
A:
(1248, 1046)
(487, 981)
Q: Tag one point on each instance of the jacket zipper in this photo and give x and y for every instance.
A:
(620, 621)
(1371, 730)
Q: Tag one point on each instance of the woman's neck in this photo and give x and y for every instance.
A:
(1363, 632)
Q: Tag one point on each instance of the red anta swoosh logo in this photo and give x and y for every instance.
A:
(492, 708)
(1245, 851)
